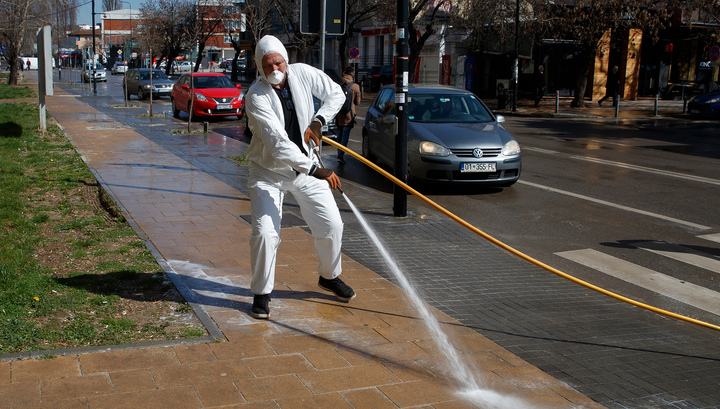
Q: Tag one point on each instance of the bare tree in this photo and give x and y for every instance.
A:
(587, 21)
(165, 28)
(64, 20)
(358, 12)
(19, 21)
(206, 21)
(244, 25)
(110, 5)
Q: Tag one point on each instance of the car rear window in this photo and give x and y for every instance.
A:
(212, 82)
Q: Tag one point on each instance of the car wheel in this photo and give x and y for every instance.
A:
(245, 125)
(366, 153)
(175, 111)
(141, 93)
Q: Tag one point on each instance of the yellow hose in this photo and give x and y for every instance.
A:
(511, 249)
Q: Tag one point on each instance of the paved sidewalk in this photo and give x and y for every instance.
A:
(315, 352)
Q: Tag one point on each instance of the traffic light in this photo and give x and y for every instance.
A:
(310, 16)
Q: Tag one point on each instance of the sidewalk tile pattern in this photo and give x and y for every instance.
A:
(315, 352)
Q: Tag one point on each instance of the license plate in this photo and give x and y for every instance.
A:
(164, 90)
(694, 111)
(477, 167)
(224, 106)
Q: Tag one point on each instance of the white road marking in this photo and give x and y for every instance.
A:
(680, 253)
(712, 237)
(629, 166)
(615, 205)
(679, 290)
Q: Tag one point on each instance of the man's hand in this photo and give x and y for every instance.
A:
(314, 131)
(329, 175)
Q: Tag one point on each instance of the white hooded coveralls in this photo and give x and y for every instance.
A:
(278, 166)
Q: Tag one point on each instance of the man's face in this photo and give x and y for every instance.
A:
(272, 62)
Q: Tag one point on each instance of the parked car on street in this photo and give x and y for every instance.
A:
(139, 82)
(705, 104)
(99, 73)
(241, 65)
(452, 137)
(378, 76)
(120, 67)
(183, 66)
(211, 93)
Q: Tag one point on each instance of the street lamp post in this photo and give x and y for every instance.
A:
(129, 49)
(92, 57)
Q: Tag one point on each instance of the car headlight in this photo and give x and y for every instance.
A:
(433, 149)
(511, 148)
(146, 86)
(713, 101)
(200, 97)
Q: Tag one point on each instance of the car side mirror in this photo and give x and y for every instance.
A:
(238, 86)
(500, 118)
(185, 87)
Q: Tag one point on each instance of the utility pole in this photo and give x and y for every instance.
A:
(516, 69)
(92, 57)
(401, 89)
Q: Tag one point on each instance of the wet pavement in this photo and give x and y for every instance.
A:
(529, 334)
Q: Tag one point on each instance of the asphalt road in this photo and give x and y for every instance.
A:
(627, 205)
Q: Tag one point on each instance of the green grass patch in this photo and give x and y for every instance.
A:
(71, 273)
(13, 92)
(243, 160)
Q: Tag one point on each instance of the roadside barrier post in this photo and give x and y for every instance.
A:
(656, 104)
(617, 108)
(557, 101)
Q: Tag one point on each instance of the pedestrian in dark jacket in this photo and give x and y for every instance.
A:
(612, 87)
(345, 120)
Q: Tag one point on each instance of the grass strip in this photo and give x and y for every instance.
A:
(73, 273)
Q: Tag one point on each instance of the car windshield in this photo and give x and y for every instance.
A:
(156, 75)
(456, 108)
(98, 66)
(215, 81)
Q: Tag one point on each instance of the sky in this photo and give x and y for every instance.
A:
(85, 11)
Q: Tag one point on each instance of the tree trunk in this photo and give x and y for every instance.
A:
(234, 73)
(13, 55)
(198, 63)
(582, 80)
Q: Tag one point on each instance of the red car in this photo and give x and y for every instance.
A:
(214, 95)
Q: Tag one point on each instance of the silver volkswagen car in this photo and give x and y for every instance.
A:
(452, 137)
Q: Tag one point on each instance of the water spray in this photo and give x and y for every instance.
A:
(516, 252)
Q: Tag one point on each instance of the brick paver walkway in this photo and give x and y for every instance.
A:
(316, 352)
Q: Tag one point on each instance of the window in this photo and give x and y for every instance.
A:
(456, 108)
(385, 102)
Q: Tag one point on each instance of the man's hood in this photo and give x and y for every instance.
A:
(266, 45)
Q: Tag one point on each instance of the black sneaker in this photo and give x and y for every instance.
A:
(260, 308)
(337, 287)
(341, 161)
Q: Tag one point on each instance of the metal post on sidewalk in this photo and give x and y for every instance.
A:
(557, 101)
(656, 104)
(617, 108)
(684, 100)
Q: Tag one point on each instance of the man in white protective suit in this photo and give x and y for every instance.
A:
(282, 118)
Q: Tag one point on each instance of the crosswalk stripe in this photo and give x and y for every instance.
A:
(712, 237)
(680, 253)
(671, 287)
